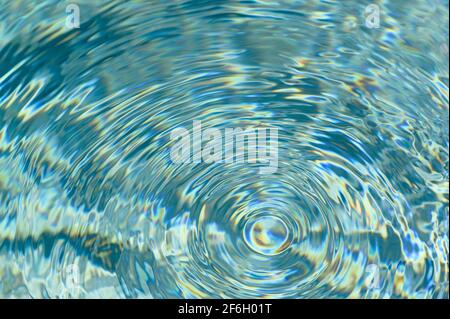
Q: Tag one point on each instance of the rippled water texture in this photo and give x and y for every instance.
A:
(91, 204)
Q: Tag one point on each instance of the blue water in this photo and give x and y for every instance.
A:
(91, 204)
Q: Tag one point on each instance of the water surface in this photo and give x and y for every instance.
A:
(92, 206)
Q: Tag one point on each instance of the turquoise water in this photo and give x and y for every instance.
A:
(91, 204)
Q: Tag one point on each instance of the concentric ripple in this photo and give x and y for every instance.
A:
(91, 204)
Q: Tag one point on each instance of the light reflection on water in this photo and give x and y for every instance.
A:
(92, 206)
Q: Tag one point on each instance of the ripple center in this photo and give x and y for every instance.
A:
(267, 235)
